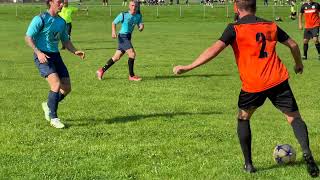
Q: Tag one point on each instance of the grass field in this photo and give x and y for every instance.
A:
(164, 127)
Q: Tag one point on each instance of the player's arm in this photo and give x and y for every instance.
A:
(113, 29)
(41, 56)
(300, 17)
(140, 24)
(204, 57)
(227, 38)
(284, 38)
(117, 20)
(68, 44)
(295, 51)
(34, 28)
(141, 27)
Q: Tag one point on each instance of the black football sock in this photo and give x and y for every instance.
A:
(131, 64)
(61, 96)
(301, 132)
(109, 63)
(318, 48)
(305, 50)
(53, 100)
(244, 134)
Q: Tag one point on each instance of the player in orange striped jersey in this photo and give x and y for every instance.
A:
(310, 10)
(263, 76)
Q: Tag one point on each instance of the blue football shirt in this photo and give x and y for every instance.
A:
(48, 34)
(128, 21)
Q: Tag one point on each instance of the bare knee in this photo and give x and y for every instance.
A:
(245, 114)
(290, 116)
(54, 82)
(116, 58)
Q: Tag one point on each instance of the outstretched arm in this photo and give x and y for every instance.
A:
(204, 57)
(295, 51)
(68, 44)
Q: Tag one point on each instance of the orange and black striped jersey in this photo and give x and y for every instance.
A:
(254, 45)
(311, 14)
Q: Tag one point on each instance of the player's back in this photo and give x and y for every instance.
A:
(254, 47)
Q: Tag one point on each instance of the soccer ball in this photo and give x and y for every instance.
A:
(284, 154)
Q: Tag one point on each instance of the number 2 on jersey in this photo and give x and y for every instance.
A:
(261, 36)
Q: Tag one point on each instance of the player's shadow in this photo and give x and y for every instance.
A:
(97, 48)
(277, 166)
(186, 76)
(85, 121)
(92, 41)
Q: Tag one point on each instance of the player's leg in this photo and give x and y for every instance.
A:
(315, 34)
(53, 96)
(116, 57)
(247, 103)
(282, 97)
(65, 88)
(306, 38)
(132, 55)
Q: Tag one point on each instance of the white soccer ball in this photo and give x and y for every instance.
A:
(284, 154)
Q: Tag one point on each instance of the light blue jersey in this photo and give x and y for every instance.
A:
(46, 32)
(128, 21)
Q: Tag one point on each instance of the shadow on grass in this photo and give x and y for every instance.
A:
(277, 166)
(100, 48)
(92, 41)
(186, 76)
(131, 118)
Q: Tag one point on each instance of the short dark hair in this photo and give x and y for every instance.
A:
(48, 3)
(247, 5)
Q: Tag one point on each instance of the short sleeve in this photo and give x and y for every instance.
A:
(281, 35)
(119, 18)
(228, 35)
(34, 26)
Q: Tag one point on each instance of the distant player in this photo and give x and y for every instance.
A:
(43, 35)
(66, 14)
(310, 10)
(293, 12)
(263, 76)
(128, 21)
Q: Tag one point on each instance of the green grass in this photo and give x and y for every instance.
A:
(164, 127)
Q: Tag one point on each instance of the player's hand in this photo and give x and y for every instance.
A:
(81, 54)
(42, 57)
(141, 28)
(300, 27)
(180, 70)
(298, 68)
(114, 35)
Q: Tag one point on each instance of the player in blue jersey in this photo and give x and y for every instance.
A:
(128, 21)
(43, 35)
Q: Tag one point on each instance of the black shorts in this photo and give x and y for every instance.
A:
(124, 41)
(281, 97)
(310, 33)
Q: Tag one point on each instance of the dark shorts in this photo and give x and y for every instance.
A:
(124, 41)
(281, 97)
(310, 33)
(54, 65)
